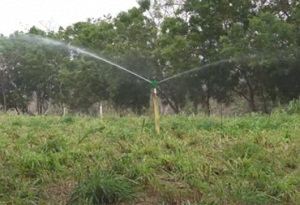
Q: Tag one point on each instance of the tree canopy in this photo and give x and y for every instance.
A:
(238, 50)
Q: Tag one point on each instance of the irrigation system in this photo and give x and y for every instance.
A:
(154, 83)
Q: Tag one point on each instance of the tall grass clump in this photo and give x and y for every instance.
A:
(293, 107)
(102, 187)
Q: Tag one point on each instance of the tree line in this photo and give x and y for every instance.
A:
(244, 50)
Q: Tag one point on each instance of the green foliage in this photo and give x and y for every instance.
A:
(260, 52)
(243, 160)
(90, 132)
(102, 187)
(68, 120)
(53, 146)
(239, 160)
(292, 108)
(157, 40)
(144, 4)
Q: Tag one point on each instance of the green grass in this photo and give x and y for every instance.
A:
(195, 160)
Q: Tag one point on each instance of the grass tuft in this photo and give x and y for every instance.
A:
(102, 187)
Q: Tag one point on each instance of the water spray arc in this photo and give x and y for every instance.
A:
(82, 51)
(192, 70)
(111, 63)
(154, 83)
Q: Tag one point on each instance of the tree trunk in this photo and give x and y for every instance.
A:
(207, 106)
(4, 98)
(266, 109)
(251, 101)
(39, 104)
(195, 104)
(265, 104)
(173, 105)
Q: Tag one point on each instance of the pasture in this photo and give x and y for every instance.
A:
(195, 160)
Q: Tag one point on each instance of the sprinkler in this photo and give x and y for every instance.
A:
(153, 83)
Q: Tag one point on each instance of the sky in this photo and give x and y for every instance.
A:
(20, 15)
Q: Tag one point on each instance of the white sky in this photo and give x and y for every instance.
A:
(50, 14)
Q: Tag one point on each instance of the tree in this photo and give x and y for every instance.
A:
(260, 53)
(207, 21)
(126, 40)
(174, 56)
(227, 44)
(33, 72)
(133, 47)
(10, 57)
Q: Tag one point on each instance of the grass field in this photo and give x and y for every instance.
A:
(195, 160)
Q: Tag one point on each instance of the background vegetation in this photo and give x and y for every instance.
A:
(259, 41)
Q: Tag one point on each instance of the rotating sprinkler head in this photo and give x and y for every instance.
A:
(154, 84)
